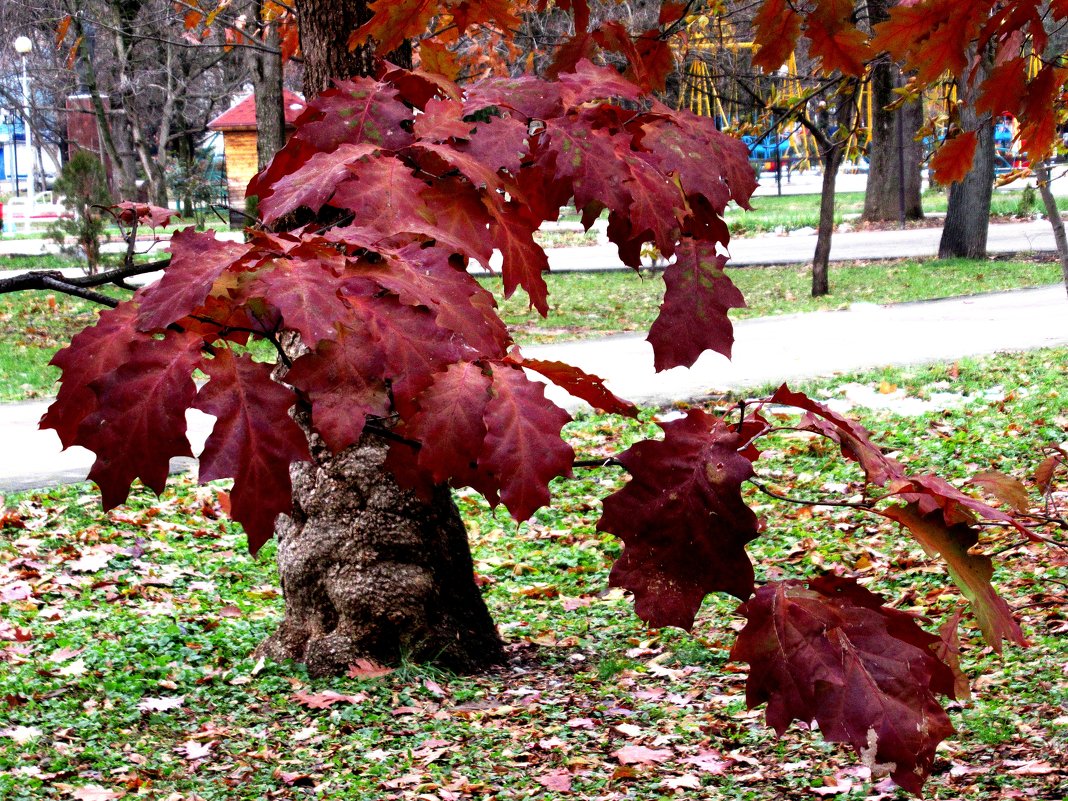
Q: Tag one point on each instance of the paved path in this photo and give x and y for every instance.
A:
(767, 349)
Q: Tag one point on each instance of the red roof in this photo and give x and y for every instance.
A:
(242, 115)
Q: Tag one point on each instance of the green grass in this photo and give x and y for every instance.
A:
(789, 212)
(179, 605)
(583, 305)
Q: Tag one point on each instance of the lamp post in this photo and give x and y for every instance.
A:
(23, 46)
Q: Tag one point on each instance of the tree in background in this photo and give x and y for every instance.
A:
(895, 159)
(82, 187)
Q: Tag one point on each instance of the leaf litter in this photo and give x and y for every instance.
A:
(170, 704)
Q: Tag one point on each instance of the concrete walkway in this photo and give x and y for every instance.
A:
(769, 349)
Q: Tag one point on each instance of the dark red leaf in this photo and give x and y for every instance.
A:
(197, 261)
(862, 671)
(254, 440)
(305, 291)
(139, 422)
(343, 382)
(523, 448)
(970, 571)
(91, 354)
(683, 520)
(144, 214)
(313, 183)
(693, 317)
(450, 423)
(581, 384)
(852, 437)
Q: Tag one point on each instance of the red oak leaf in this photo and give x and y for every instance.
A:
(414, 347)
(197, 261)
(865, 673)
(852, 437)
(139, 422)
(254, 440)
(143, 214)
(313, 183)
(971, 572)
(581, 384)
(693, 317)
(343, 382)
(91, 354)
(682, 519)
(776, 27)
(305, 291)
(523, 449)
(953, 160)
(442, 120)
(450, 423)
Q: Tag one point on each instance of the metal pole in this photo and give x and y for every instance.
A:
(29, 144)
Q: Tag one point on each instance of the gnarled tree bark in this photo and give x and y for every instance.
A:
(369, 569)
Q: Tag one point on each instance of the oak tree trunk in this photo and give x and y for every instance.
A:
(968, 213)
(265, 68)
(368, 569)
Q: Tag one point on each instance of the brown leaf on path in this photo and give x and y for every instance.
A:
(640, 755)
(326, 699)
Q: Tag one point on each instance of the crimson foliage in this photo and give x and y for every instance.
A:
(385, 192)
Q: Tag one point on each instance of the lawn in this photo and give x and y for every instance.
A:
(34, 325)
(126, 636)
(790, 212)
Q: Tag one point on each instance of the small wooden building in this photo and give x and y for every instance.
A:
(238, 127)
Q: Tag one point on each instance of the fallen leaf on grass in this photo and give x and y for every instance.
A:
(1023, 767)
(191, 749)
(160, 704)
(833, 787)
(367, 669)
(709, 762)
(326, 699)
(558, 780)
(22, 734)
(94, 792)
(640, 755)
(629, 730)
(687, 781)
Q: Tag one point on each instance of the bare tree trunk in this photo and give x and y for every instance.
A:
(266, 70)
(968, 214)
(370, 570)
(831, 157)
(109, 132)
(1042, 173)
(894, 174)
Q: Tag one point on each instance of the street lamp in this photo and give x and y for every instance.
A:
(23, 46)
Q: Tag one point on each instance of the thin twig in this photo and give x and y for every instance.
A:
(807, 502)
